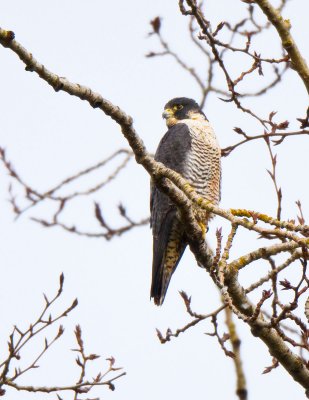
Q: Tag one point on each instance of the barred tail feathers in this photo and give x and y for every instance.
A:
(168, 250)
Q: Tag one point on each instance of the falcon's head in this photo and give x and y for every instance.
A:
(182, 108)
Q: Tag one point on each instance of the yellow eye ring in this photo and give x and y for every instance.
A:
(178, 107)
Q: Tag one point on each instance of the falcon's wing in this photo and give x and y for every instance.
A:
(168, 240)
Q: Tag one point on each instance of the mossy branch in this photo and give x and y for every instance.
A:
(283, 27)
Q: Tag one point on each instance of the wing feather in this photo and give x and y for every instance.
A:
(167, 235)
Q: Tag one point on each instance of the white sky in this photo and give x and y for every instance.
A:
(49, 136)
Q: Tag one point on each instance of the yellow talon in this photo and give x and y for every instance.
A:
(200, 201)
(188, 187)
(203, 228)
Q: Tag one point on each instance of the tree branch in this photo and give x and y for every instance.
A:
(241, 385)
(227, 150)
(283, 27)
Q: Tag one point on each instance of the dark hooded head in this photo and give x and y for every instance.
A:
(181, 108)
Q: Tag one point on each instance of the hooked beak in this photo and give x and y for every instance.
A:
(167, 113)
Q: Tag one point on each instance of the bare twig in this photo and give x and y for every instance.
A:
(197, 319)
(227, 150)
(35, 197)
(241, 385)
(19, 339)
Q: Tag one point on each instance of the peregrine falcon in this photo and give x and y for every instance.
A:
(190, 148)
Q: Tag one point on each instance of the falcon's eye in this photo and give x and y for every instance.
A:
(178, 107)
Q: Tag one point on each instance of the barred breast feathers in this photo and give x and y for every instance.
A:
(203, 167)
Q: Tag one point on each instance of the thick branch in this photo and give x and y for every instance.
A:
(75, 89)
(276, 345)
(262, 252)
(283, 28)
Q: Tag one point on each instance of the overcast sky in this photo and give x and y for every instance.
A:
(49, 136)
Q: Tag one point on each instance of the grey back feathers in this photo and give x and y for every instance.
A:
(172, 152)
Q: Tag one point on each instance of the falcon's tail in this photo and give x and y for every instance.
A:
(167, 252)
